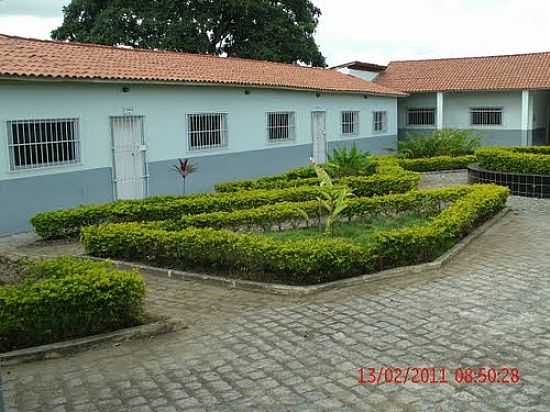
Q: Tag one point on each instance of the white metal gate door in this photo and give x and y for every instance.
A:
(319, 135)
(129, 167)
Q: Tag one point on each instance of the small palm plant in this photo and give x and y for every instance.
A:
(185, 168)
(334, 199)
(351, 162)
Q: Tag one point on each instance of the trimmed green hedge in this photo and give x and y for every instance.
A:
(432, 164)
(303, 262)
(66, 223)
(425, 202)
(527, 160)
(66, 298)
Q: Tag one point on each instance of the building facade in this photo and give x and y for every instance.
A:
(74, 141)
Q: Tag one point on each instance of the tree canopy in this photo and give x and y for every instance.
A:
(260, 29)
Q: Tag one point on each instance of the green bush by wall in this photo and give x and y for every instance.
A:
(68, 297)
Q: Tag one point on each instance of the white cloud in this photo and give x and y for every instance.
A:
(374, 31)
(29, 26)
(395, 29)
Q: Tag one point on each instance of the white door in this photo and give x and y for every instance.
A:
(319, 135)
(129, 171)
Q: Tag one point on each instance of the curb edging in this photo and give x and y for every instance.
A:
(58, 349)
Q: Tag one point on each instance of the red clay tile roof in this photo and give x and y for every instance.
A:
(20, 57)
(512, 72)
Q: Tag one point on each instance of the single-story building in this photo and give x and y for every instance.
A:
(506, 99)
(84, 123)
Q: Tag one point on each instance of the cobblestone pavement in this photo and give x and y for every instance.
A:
(250, 351)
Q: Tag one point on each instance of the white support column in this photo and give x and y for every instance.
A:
(525, 118)
(439, 111)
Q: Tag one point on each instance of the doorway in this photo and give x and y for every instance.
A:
(319, 136)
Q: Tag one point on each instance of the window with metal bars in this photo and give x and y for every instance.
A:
(486, 116)
(421, 117)
(280, 126)
(207, 130)
(350, 123)
(379, 121)
(43, 143)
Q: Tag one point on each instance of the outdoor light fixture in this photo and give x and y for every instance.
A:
(125, 89)
(247, 92)
(318, 94)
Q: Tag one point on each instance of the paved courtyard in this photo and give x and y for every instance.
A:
(249, 351)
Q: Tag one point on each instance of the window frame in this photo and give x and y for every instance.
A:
(499, 109)
(384, 121)
(356, 123)
(75, 141)
(291, 127)
(422, 126)
(224, 135)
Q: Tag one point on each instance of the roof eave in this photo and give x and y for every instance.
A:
(197, 83)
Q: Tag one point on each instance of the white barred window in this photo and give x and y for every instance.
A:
(350, 123)
(281, 126)
(43, 143)
(379, 121)
(207, 130)
(421, 117)
(486, 116)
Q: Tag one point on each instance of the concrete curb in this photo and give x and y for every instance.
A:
(308, 290)
(57, 350)
(445, 172)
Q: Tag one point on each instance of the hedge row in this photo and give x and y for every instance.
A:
(66, 223)
(425, 203)
(527, 160)
(395, 180)
(68, 297)
(296, 262)
(432, 164)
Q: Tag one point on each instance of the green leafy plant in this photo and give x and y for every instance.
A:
(445, 142)
(334, 199)
(352, 162)
(68, 297)
(527, 160)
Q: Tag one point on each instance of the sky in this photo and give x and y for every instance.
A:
(374, 31)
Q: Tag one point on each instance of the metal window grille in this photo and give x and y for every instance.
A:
(486, 116)
(350, 123)
(45, 143)
(421, 117)
(207, 130)
(379, 120)
(281, 126)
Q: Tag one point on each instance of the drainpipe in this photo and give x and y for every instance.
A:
(525, 118)
(439, 111)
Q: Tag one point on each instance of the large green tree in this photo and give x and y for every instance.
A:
(260, 29)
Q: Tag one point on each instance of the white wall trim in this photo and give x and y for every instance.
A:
(439, 111)
(524, 117)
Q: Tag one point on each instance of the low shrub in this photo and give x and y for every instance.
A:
(68, 222)
(68, 297)
(424, 203)
(527, 160)
(353, 162)
(432, 164)
(445, 142)
(311, 261)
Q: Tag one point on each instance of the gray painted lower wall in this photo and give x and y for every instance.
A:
(488, 137)
(218, 168)
(537, 137)
(24, 197)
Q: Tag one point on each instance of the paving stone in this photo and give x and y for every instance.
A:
(252, 351)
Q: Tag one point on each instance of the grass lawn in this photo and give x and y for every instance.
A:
(359, 231)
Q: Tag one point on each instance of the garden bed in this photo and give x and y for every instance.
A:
(220, 242)
(524, 170)
(56, 299)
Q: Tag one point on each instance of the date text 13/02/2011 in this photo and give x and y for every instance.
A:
(438, 376)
